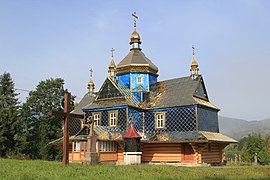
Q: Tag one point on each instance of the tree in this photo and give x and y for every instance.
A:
(9, 116)
(255, 145)
(39, 127)
(249, 147)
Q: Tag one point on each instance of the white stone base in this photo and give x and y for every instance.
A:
(132, 158)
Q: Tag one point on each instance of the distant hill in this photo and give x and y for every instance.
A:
(238, 128)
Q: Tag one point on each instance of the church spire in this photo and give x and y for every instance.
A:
(135, 39)
(112, 68)
(194, 67)
(91, 85)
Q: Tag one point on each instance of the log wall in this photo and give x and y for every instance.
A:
(108, 156)
(211, 153)
(161, 152)
(120, 156)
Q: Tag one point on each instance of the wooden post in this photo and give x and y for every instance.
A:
(65, 159)
(67, 116)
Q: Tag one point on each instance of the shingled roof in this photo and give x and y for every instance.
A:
(87, 99)
(178, 92)
(170, 93)
(136, 58)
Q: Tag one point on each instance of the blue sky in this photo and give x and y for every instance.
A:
(65, 38)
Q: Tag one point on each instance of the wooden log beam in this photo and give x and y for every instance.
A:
(64, 114)
(65, 159)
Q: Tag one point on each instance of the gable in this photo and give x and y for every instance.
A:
(109, 90)
(83, 132)
(200, 91)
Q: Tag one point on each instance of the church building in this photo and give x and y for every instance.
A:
(174, 118)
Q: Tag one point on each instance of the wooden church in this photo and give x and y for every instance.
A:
(174, 118)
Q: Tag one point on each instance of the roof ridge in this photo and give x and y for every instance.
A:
(174, 78)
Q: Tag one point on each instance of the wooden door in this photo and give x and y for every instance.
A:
(187, 153)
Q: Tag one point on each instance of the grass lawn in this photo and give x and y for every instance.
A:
(24, 169)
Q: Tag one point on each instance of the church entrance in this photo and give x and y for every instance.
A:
(187, 153)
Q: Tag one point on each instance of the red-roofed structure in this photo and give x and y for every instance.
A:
(131, 133)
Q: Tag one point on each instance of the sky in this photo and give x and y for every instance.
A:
(65, 38)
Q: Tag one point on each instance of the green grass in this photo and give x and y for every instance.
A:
(24, 169)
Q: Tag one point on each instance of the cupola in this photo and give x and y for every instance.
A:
(112, 68)
(136, 61)
(194, 67)
(135, 39)
(91, 84)
(136, 72)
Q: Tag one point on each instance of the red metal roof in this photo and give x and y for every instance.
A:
(131, 133)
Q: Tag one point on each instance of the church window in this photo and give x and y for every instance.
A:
(113, 117)
(97, 118)
(160, 120)
(139, 80)
(77, 145)
(108, 146)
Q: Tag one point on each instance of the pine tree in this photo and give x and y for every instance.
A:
(40, 128)
(9, 116)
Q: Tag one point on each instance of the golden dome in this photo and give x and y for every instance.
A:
(194, 63)
(135, 37)
(91, 84)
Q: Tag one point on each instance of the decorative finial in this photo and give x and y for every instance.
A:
(112, 50)
(194, 67)
(135, 19)
(193, 50)
(91, 73)
(91, 84)
(112, 68)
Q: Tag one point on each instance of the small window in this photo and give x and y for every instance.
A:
(113, 117)
(97, 119)
(160, 120)
(108, 146)
(77, 146)
(139, 80)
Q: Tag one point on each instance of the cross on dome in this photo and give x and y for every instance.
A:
(135, 20)
(112, 50)
(193, 50)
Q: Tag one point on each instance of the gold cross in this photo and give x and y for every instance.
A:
(135, 19)
(112, 50)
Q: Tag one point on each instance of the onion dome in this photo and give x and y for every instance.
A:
(194, 67)
(131, 133)
(112, 68)
(194, 63)
(135, 37)
(91, 84)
